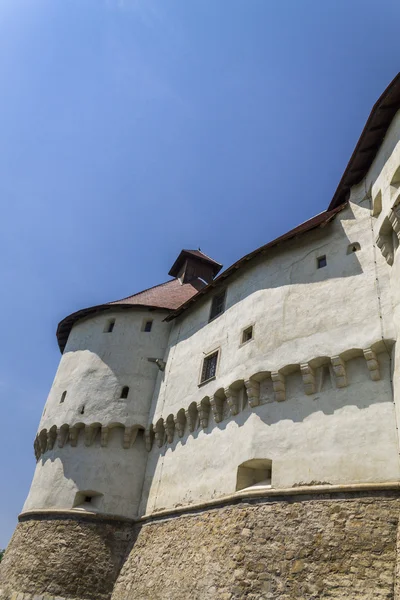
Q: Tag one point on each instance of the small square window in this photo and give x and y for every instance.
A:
(109, 326)
(209, 367)
(247, 334)
(321, 262)
(217, 305)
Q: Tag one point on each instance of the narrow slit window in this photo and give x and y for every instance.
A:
(247, 334)
(109, 326)
(147, 326)
(321, 262)
(82, 410)
(209, 369)
(63, 396)
(124, 392)
(217, 305)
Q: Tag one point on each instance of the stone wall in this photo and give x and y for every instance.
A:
(297, 548)
(340, 546)
(64, 558)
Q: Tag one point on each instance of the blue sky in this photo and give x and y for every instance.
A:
(131, 129)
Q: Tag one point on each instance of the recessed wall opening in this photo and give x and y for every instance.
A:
(247, 334)
(321, 262)
(109, 326)
(82, 410)
(63, 396)
(254, 472)
(124, 392)
(147, 325)
(88, 500)
(354, 247)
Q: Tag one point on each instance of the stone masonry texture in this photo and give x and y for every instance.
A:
(63, 558)
(292, 548)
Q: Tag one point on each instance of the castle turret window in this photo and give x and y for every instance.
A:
(321, 262)
(247, 334)
(125, 392)
(209, 369)
(217, 305)
(63, 395)
(147, 325)
(109, 326)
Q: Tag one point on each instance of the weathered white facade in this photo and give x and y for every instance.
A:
(311, 398)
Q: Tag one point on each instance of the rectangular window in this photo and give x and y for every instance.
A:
(217, 305)
(209, 367)
(321, 262)
(148, 325)
(247, 334)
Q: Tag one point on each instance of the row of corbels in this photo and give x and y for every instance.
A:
(47, 439)
(199, 412)
(384, 239)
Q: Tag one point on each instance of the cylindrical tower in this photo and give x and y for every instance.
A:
(90, 446)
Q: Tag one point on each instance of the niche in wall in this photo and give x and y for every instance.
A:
(254, 472)
(88, 500)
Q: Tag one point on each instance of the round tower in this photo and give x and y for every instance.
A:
(92, 441)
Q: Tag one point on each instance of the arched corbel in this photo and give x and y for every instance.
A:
(339, 370)
(308, 376)
(278, 383)
(180, 422)
(232, 398)
(159, 432)
(104, 436)
(191, 416)
(170, 428)
(253, 392)
(203, 408)
(372, 364)
(217, 406)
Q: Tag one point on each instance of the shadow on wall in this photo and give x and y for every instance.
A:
(363, 388)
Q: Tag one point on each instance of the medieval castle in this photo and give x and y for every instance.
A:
(234, 435)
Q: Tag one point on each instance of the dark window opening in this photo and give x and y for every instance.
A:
(148, 325)
(82, 410)
(63, 395)
(217, 305)
(247, 334)
(109, 326)
(209, 367)
(125, 392)
(321, 262)
(354, 247)
(88, 499)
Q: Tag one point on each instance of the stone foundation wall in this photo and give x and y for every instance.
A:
(64, 558)
(293, 549)
(287, 548)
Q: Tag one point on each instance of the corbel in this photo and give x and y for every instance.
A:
(62, 436)
(36, 448)
(278, 383)
(339, 369)
(169, 426)
(159, 434)
(130, 434)
(217, 404)
(191, 417)
(203, 409)
(372, 364)
(51, 438)
(232, 398)
(308, 376)
(180, 422)
(394, 218)
(385, 247)
(90, 434)
(253, 392)
(105, 432)
(73, 436)
(43, 442)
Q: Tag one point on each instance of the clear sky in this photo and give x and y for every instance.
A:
(130, 129)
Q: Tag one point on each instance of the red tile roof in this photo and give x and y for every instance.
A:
(166, 296)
